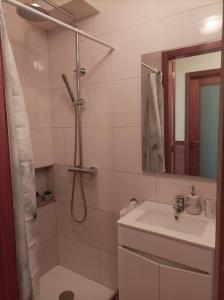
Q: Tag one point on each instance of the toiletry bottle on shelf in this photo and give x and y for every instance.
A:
(193, 203)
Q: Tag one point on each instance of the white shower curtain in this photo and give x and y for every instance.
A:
(153, 125)
(23, 178)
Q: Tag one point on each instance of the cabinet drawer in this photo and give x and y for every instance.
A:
(176, 284)
(174, 250)
(138, 276)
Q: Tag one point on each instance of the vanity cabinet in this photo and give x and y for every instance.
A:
(144, 278)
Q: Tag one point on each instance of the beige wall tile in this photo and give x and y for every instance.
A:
(63, 114)
(109, 270)
(171, 7)
(192, 21)
(58, 137)
(126, 13)
(51, 253)
(127, 149)
(118, 103)
(42, 146)
(43, 108)
(79, 257)
(97, 145)
(31, 105)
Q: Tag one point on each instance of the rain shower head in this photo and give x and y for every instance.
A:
(29, 16)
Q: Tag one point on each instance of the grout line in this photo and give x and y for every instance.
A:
(88, 245)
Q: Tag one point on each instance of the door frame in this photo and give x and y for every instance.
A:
(167, 70)
(8, 275)
(188, 83)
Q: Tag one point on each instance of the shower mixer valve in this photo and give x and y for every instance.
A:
(79, 101)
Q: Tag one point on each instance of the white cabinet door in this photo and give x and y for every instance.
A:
(180, 284)
(138, 276)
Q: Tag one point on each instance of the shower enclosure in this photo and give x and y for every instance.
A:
(36, 13)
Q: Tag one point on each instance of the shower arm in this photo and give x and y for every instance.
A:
(56, 21)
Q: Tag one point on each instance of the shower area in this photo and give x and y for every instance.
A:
(52, 46)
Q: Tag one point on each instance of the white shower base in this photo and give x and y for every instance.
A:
(60, 279)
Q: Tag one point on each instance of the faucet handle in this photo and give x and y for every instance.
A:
(180, 199)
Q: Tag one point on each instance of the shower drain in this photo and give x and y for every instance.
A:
(67, 295)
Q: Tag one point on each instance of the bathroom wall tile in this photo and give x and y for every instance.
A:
(89, 107)
(46, 222)
(24, 32)
(109, 270)
(42, 146)
(31, 105)
(43, 108)
(47, 212)
(59, 37)
(127, 149)
(117, 188)
(173, 186)
(63, 113)
(192, 21)
(118, 103)
(47, 229)
(63, 187)
(87, 25)
(41, 259)
(55, 56)
(123, 12)
(51, 253)
(69, 134)
(99, 64)
(79, 257)
(61, 60)
(97, 145)
(133, 42)
(58, 145)
(62, 183)
(32, 64)
(91, 232)
(171, 7)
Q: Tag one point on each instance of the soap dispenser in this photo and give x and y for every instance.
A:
(193, 203)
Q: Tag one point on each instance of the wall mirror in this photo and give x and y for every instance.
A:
(180, 110)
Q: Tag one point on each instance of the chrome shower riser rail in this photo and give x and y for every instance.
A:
(62, 24)
(90, 171)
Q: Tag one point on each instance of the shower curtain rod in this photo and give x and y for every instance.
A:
(150, 68)
(62, 24)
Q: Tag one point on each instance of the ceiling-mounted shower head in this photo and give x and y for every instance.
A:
(28, 15)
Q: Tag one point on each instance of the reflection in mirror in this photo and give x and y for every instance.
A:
(180, 110)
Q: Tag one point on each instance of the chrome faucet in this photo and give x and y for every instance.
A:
(179, 205)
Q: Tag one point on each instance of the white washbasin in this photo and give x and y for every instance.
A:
(166, 219)
(159, 219)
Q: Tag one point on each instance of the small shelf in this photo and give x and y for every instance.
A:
(43, 203)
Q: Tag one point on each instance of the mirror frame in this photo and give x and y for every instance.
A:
(169, 90)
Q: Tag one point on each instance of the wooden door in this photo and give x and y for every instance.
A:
(195, 81)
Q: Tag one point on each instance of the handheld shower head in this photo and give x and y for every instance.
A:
(66, 82)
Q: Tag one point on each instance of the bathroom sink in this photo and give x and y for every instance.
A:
(165, 219)
(159, 219)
